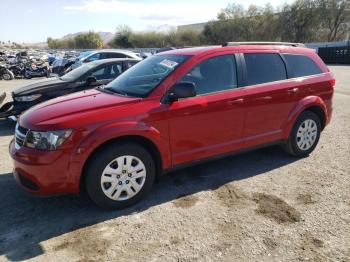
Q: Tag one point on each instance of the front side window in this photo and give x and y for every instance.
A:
(130, 64)
(302, 65)
(117, 69)
(213, 75)
(264, 68)
(142, 78)
(102, 73)
(93, 58)
(75, 74)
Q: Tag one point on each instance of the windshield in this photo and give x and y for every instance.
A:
(76, 73)
(142, 78)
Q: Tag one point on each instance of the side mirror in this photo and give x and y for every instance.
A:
(179, 90)
(90, 80)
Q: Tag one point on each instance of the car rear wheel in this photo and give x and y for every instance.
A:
(118, 176)
(305, 135)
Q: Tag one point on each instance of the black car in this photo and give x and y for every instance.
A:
(85, 77)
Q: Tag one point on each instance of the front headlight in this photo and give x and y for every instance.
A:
(50, 140)
(27, 98)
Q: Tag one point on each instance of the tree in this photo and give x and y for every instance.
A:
(126, 38)
(238, 24)
(90, 40)
(122, 38)
(300, 21)
(335, 18)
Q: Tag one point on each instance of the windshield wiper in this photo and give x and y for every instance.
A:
(103, 89)
(111, 90)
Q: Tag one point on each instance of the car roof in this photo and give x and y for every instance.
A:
(196, 51)
(112, 51)
(119, 51)
(113, 60)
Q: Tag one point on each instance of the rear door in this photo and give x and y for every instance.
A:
(270, 96)
(210, 123)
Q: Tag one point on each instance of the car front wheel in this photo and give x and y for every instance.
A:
(118, 176)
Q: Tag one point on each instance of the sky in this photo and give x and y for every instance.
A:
(32, 21)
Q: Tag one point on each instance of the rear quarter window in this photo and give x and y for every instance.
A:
(264, 68)
(302, 65)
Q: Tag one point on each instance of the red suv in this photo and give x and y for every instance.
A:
(170, 110)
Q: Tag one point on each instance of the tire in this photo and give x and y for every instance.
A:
(111, 191)
(304, 136)
(8, 75)
(27, 75)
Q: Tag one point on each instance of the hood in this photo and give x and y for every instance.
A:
(39, 86)
(70, 110)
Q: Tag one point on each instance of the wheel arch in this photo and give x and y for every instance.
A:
(319, 112)
(311, 103)
(146, 143)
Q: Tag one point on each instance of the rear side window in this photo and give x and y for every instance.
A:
(213, 75)
(116, 55)
(302, 65)
(264, 68)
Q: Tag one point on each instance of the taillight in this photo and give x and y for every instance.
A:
(333, 83)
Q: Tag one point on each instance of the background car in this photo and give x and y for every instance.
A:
(85, 77)
(64, 65)
(103, 54)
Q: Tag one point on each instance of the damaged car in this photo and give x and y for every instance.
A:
(88, 76)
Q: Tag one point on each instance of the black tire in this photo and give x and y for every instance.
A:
(27, 75)
(8, 75)
(102, 158)
(291, 145)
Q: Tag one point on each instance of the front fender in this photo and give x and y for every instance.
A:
(112, 131)
(301, 106)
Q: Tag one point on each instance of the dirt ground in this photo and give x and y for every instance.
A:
(258, 206)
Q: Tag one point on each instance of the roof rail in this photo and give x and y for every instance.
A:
(263, 43)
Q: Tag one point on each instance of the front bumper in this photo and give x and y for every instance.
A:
(15, 108)
(7, 110)
(41, 172)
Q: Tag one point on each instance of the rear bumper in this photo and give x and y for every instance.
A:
(41, 172)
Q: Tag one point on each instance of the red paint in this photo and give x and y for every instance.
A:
(184, 131)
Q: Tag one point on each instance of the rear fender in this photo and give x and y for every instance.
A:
(301, 106)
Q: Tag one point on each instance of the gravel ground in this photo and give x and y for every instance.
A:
(258, 206)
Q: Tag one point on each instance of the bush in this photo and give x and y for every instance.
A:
(126, 38)
(88, 40)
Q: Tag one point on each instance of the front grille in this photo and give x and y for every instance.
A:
(20, 135)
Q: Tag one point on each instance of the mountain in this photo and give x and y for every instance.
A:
(105, 36)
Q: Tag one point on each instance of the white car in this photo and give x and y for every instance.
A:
(89, 56)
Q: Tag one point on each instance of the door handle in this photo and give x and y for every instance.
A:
(235, 101)
(293, 91)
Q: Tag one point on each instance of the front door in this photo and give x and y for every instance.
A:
(210, 123)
